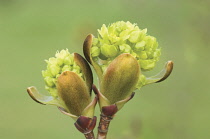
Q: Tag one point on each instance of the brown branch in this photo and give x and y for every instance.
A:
(103, 126)
(89, 135)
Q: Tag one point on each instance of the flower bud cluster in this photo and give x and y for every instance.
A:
(124, 37)
(63, 61)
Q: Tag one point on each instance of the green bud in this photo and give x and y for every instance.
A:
(54, 69)
(125, 48)
(134, 54)
(74, 92)
(95, 41)
(109, 50)
(46, 73)
(155, 45)
(76, 69)
(104, 31)
(143, 55)
(114, 39)
(140, 46)
(150, 41)
(141, 82)
(53, 91)
(134, 36)
(157, 53)
(68, 60)
(142, 34)
(62, 54)
(49, 81)
(95, 51)
(124, 35)
(120, 78)
(66, 68)
(63, 61)
(147, 64)
(52, 61)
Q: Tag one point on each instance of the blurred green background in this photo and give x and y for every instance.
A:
(33, 30)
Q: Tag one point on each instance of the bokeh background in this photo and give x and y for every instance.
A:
(33, 30)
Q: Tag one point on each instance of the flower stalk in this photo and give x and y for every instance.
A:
(103, 126)
(89, 135)
(105, 119)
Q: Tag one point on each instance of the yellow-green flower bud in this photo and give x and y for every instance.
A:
(124, 37)
(63, 61)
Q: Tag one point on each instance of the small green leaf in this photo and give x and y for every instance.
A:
(87, 52)
(162, 75)
(89, 110)
(42, 99)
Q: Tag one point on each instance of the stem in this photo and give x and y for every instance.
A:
(89, 135)
(103, 126)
